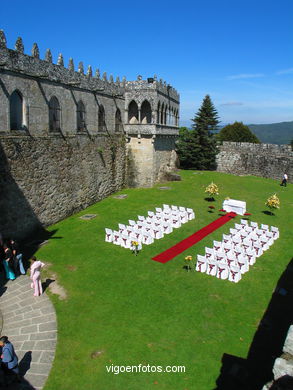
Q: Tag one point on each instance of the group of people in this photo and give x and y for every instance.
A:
(11, 264)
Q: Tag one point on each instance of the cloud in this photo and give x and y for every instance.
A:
(285, 71)
(232, 104)
(245, 76)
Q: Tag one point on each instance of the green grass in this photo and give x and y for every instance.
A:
(136, 310)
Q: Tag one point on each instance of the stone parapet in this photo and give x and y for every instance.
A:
(265, 160)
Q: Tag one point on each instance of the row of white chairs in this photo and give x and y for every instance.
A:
(232, 257)
(146, 229)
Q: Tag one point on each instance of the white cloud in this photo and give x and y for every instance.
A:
(245, 76)
(285, 71)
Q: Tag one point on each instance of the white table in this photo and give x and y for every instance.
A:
(237, 206)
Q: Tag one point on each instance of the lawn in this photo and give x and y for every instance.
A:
(124, 309)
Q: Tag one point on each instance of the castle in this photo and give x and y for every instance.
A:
(69, 139)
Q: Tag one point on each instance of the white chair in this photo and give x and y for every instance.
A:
(217, 245)
(234, 274)
(175, 222)
(275, 231)
(236, 240)
(158, 210)
(190, 214)
(259, 232)
(248, 229)
(147, 239)
(109, 235)
(167, 228)
(222, 271)
(174, 208)
(220, 256)
(231, 259)
(183, 209)
(251, 255)
(141, 217)
(131, 222)
(158, 233)
(125, 241)
(247, 243)
(211, 267)
(116, 238)
(258, 249)
(270, 236)
(227, 238)
(264, 242)
(264, 227)
(238, 227)
(227, 246)
(254, 225)
(129, 229)
(243, 235)
(243, 264)
(151, 213)
(183, 217)
(166, 207)
(121, 227)
(201, 264)
(233, 232)
(210, 253)
(244, 222)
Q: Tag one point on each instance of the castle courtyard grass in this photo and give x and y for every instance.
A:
(127, 310)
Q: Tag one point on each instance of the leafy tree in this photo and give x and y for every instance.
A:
(237, 132)
(197, 148)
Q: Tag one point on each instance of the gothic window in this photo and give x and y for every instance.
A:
(54, 114)
(162, 114)
(16, 111)
(165, 115)
(159, 113)
(132, 112)
(102, 122)
(146, 112)
(118, 121)
(80, 116)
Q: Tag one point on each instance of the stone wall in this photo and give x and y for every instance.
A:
(265, 160)
(46, 179)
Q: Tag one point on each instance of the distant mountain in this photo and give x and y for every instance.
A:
(274, 133)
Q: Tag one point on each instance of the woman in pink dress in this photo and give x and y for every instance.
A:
(36, 276)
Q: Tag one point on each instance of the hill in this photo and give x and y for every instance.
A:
(274, 133)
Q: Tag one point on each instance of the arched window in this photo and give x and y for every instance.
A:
(80, 116)
(158, 113)
(16, 111)
(132, 112)
(165, 115)
(146, 112)
(118, 121)
(102, 122)
(54, 114)
(162, 114)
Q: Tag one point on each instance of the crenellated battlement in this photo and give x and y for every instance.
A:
(33, 66)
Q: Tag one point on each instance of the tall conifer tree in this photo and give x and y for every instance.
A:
(197, 148)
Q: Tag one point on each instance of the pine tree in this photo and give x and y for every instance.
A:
(204, 124)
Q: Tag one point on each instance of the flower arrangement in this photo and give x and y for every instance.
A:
(212, 189)
(134, 245)
(188, 261)
(273, 202)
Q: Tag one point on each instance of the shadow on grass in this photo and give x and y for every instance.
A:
(47, 283)
(255, 371)
(209, 199)
(266, 212)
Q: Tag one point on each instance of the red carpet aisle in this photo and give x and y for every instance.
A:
(175, 250)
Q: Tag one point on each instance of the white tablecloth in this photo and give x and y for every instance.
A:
(237, 206)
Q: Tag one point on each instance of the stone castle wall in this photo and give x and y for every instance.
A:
(46, 179)
(265, 160)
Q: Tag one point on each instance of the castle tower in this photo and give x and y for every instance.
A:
(151, 126)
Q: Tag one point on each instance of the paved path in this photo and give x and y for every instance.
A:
(30, 323)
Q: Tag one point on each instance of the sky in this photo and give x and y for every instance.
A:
(240, 52)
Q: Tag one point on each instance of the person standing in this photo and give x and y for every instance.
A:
(9, 357)
(8, 258)
(285, 179)
(36, 276)
(17, 258)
